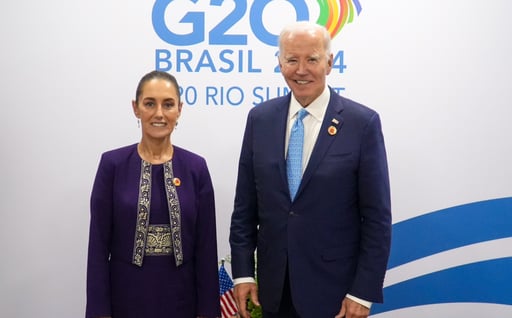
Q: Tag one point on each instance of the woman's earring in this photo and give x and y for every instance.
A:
(176, 126)
(138, 123)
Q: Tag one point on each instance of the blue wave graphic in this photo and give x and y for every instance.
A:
(450, 228)
(487, 281)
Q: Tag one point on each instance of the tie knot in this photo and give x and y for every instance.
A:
(302, 113)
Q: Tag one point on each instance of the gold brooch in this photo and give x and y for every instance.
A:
(176, 181)
(332, 130)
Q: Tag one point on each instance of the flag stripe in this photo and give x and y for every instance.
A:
(228, 304)
(227, 301)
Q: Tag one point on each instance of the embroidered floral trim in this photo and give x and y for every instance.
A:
(159, 240)
(144, 244)
(174, 213)
(144, 202)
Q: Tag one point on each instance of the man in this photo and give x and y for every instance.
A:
(322, 249)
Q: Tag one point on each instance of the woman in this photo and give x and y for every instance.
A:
(152, 240)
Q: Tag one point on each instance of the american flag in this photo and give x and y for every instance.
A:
(227, 302)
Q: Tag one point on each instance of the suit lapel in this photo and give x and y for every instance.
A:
(279, 128)
(329, 131)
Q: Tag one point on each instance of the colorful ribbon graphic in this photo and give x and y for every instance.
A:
(334, 14)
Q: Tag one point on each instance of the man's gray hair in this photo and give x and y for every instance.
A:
(309, 27)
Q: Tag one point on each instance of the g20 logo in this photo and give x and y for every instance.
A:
(334, 15)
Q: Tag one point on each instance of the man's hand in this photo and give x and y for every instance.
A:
(242, 292)
(352, 309)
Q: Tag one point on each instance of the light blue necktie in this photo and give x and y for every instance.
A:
(294, 159)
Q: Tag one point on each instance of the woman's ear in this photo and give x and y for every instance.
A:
(180, 106)
(135, 108)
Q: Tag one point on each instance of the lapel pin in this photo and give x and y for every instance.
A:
(335, 121)
(332, 130)
(176, 181)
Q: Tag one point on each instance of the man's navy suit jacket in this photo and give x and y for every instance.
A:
(335, 236)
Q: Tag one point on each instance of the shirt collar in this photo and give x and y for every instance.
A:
(317, 107)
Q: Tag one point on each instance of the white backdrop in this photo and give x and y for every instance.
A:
(438, 73)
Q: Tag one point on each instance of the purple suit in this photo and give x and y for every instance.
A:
(334, 238)
(118, 288)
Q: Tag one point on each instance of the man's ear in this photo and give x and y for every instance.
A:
(330, 62)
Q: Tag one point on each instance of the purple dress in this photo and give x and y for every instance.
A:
(176, 277)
